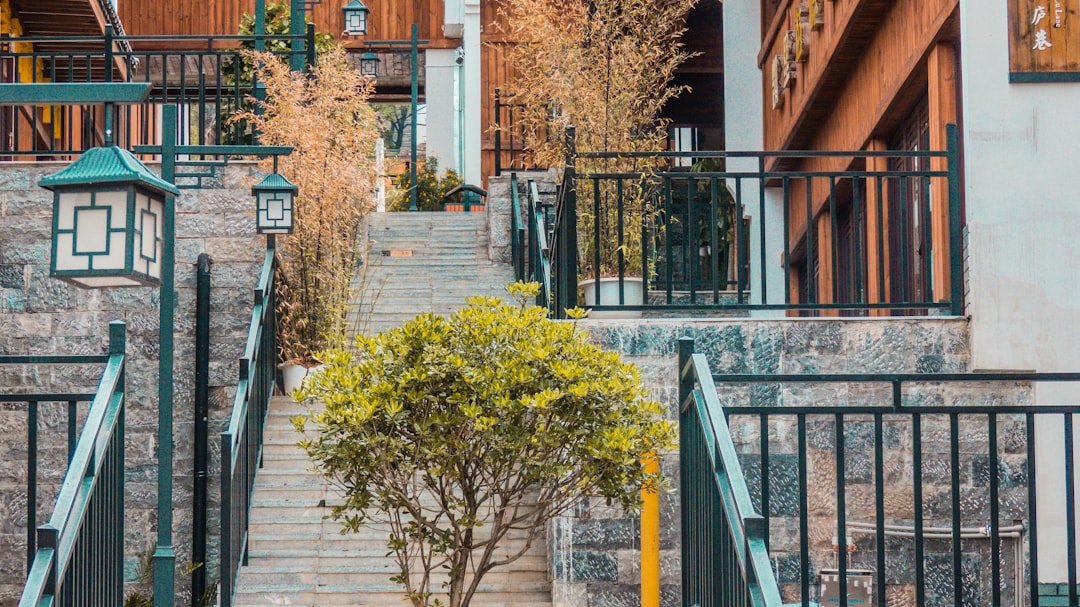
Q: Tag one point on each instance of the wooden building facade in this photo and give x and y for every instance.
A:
(864, 75)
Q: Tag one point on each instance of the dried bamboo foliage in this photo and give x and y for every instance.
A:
(325, 116)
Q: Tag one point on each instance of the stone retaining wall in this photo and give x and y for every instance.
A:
(42, 315)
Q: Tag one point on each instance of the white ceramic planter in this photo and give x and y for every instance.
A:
(633, 291)
(293, 376)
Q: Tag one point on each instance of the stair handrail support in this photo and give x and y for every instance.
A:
(80, 517)
(699, 404)
(241, 442)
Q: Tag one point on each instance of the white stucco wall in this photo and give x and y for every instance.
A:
(744, 130)
(1022, 191)
(472, 92)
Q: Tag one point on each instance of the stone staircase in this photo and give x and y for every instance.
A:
(423, 262)
(296, 555)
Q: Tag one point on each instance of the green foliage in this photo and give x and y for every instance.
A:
(430, 191)
(455, 430)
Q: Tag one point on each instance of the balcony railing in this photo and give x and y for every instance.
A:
(207, 77)
(884, 232)
(927, 489)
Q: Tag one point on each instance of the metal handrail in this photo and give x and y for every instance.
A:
(517, 231)
(80, 550)
(725, 559)
(539, 259)
(241, 442)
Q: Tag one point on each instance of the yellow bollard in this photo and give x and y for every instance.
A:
(650, 538)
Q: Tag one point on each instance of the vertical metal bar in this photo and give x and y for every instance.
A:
(201, 427)
(498, 133)
(1032, 507)
(927, 245)
(228, 560)
(72, 427)
(858, 239)
(596, 241)
(787, 241)
(567, 266)
(804, 523)
(688, 486)
(714, 239)
(761, 227)
(879, 507)
(954, 476)
(742, 250)
(995, 535)
(1070, 506)
(920, 564)
(691, 240)
(834, 248)
(621, 240)
(669, 270)
(956, 258)
(31, 480)
(841, 510)
(904, 245)
(880, 240)
(766, 505)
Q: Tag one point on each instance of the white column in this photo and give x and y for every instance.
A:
(440, 93)
(473, 92)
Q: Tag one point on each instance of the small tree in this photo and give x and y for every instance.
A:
(325, 116)
(457, 431)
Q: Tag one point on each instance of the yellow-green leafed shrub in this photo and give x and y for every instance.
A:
(456, 430)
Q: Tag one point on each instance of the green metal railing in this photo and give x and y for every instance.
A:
(207, 77)
(529, 239)
(725, 560)
(241, 442)
(78, 555)
(678, 220)
(927, 482)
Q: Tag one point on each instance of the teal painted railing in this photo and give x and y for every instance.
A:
(206, 76)
(532, 253)
(725, 560)
(241, 442)
(79, 555)
(679, 221)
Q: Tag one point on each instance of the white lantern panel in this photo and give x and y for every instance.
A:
(275, 212)
(356, 22)
(97, 282)
(149, 228)
(91, 230)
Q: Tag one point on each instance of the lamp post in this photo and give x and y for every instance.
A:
(369, 66)
(114, 225)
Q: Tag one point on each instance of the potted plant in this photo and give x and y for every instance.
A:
(325, 116)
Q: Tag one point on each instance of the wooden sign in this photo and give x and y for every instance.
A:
(1044, 41)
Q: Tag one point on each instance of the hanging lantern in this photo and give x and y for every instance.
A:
(356, 15)
(274, 197)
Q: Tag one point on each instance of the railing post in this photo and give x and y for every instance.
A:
(310, 47)
(566, 268)
(201, 435)
(226, 541)
(956, 238)
(48, 537)
(686, 381)
(498, 133)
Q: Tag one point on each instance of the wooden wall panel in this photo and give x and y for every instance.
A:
(858, 66)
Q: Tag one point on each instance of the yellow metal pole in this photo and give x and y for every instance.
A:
(650, 538)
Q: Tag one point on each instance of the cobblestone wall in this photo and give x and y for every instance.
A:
(42, 315)
(595, 552)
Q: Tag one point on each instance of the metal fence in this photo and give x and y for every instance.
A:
(207, 77)
(241, 442)
(78, 555)
(920, 489)
(861, 231)
(725, 560)
(529, 238)
(509, 135)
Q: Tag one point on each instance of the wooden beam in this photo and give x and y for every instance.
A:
(941, 89)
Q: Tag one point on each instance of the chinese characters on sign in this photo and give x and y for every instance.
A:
(1044, 40)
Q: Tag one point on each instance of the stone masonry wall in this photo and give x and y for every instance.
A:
(595, 559)
(41, 315)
